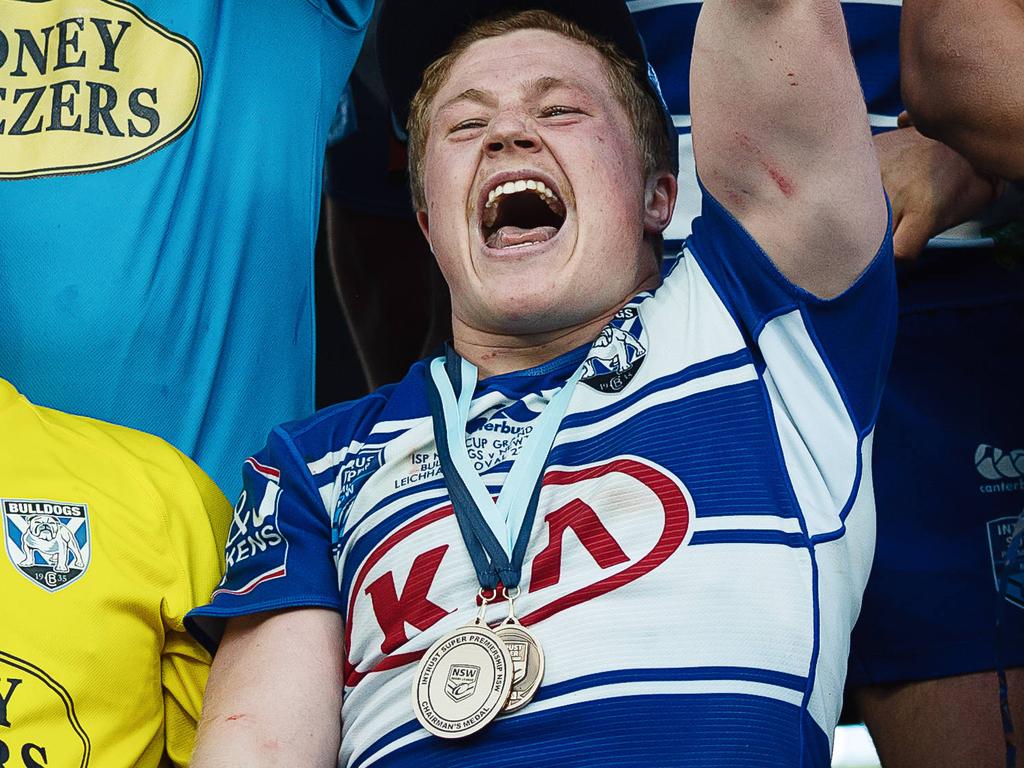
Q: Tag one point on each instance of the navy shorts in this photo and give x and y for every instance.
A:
(949, 474)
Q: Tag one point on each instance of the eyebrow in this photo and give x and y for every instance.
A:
(534, 89)
(484, 98)
(543, 85)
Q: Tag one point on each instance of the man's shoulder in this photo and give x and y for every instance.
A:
(119, 446)
(372, 418)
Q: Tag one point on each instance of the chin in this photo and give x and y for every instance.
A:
(532, 313)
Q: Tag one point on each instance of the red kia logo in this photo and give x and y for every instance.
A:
(414, 607)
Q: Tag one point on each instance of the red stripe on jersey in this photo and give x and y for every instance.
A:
(269, 472)
(269, 576)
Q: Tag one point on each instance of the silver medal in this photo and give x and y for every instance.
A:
(527, 657)
(463, 681)
(527, 664)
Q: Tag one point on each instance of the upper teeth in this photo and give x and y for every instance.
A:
(520, 185)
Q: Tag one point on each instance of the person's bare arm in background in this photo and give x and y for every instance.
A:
(962, 69)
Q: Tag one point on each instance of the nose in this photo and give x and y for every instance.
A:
(511, 130)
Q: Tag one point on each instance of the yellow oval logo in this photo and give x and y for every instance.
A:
(38, 719)
(87, 85)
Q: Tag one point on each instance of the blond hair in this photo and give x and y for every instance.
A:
(644, 112)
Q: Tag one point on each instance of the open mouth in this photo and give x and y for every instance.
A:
(520, 213)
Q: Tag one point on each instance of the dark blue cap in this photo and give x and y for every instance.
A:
(411, 34)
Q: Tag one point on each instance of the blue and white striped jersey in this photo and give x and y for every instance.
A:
(702, 540)
(667, 28)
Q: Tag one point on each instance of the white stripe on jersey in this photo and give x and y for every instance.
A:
(637, 6)
(747, 523)
(874, 119)
(882, 121)
(332, 459)
(819, 441)
(840, 577)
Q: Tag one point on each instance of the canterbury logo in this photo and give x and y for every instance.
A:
(995, 464)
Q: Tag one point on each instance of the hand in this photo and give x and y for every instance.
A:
(931, 187)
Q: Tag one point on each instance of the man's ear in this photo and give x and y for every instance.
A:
(659, 202)
(424, 221)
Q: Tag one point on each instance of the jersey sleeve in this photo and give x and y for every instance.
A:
(277, 553)
(822, 362)
(197, 517)
(851, 334)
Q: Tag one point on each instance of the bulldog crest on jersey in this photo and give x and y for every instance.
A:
(617, 354)
(48, 541)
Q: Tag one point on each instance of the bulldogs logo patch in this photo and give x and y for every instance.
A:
(48, 541)
(617, 354)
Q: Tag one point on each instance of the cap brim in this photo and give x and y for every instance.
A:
(411, 34)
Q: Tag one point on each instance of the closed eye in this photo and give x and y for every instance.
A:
(467, 125)
(558, 110)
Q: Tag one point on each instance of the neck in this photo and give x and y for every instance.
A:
(494, 353)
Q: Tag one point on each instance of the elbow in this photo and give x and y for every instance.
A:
(928, 104)
(930, 117)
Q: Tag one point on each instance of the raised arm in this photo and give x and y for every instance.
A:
(962, 68)
(781, 137)
(274, 695)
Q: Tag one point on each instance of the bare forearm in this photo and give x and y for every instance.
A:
(239, 740)
(274, 695)
(963, 78)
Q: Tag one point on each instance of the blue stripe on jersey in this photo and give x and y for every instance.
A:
(710, 440)
(757, 536)
(669, 731)
(704, 368)
(431, 485)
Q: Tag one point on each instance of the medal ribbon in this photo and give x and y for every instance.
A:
(495, 533)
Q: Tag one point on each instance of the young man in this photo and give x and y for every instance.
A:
(111, 536)
(683, 523)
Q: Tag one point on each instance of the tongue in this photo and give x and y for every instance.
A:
(508, 236)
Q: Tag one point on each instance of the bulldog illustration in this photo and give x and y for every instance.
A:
(48, 536)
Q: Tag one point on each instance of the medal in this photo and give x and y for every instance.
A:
(472, 674)
(463, 680)
(527, 657)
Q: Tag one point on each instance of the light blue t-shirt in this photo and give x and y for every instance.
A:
(160, 172)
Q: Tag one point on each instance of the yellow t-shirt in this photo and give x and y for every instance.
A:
(110, 537)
